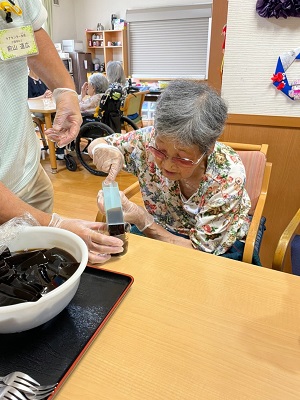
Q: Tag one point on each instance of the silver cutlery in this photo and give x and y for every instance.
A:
(19, 377)
(11, 393)
(24, 383)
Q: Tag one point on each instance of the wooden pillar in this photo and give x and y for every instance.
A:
(219, 19)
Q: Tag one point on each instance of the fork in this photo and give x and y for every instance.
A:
(30, 394)
(18, 377)
(26, 384)
(11, 393)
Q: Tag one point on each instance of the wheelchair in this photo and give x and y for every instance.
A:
(107, 120)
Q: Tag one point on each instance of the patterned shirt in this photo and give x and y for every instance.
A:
(89, 104)
(214, 217)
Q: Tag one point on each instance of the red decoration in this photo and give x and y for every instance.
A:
(280, 86)
(278, 77)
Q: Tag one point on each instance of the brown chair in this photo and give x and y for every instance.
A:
(258, 172)
(40, 124)
(284, 245)
(133, 108)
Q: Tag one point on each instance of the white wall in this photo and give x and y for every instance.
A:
(63, 21)
(72, 17)
(95, 11)
(253, 46)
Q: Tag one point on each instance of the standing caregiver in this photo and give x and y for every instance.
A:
(24, 185)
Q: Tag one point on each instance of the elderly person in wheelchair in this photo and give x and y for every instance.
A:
(91, 93)
(193, 186)
(115, 73)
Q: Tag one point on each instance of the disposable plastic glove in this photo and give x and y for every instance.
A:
(67, 119)
(108, 159)
(133, 213)
(100, 246)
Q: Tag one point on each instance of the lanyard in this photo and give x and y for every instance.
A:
(10, 7)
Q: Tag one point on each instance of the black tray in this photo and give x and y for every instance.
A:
(49, 352)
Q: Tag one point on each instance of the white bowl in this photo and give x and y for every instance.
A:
(24, 316)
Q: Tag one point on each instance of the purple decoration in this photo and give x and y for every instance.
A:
(278, 8)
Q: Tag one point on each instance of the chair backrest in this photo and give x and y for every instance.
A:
(289, 243)
(132, 107)
(258, 172)
(254, 158)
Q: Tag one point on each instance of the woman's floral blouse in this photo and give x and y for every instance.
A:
(214, 217)
(89, 104)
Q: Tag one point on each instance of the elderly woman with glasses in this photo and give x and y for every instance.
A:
(193, 186)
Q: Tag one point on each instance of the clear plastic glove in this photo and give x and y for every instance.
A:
(107, 159)
(133, 213)
(100, 246)
(67, 119)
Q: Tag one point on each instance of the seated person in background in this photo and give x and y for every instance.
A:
(193, 186)
(115, 73)
(36, 88)
(91, 93)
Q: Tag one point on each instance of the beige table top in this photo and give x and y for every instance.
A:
(37, 105)
(194, 326)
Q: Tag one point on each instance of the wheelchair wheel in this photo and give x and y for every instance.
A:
(70, 162)
(127, 121)
(89, 132)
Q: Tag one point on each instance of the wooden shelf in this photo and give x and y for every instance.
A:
(109, 53)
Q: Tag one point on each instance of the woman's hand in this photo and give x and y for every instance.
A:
(84, 89)
(107, 158)
(47, 94)
(133, 213)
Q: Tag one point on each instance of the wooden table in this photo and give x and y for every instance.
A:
(194, 326)
(37, 105)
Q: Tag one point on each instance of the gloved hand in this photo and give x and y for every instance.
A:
(108, 159)
(133, 213)
(100, 246)
(67, 119)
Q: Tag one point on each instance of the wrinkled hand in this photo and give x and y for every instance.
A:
(84, 89)
(100, 246)
(108, 159)
(67, 119)
(133, 213)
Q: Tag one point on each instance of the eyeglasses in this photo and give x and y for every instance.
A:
(181, 162)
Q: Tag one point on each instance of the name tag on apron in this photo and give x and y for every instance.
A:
(17, 42)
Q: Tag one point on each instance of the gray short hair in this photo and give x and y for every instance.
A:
(115, 72)
(191, 113)
(99, 82)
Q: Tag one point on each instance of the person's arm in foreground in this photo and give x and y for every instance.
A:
(100, 245)
(49, 67)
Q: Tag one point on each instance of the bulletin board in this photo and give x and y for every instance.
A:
(253, 47)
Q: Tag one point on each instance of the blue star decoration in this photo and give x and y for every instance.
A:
(279, 78)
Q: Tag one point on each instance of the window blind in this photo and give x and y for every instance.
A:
(169, 42)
